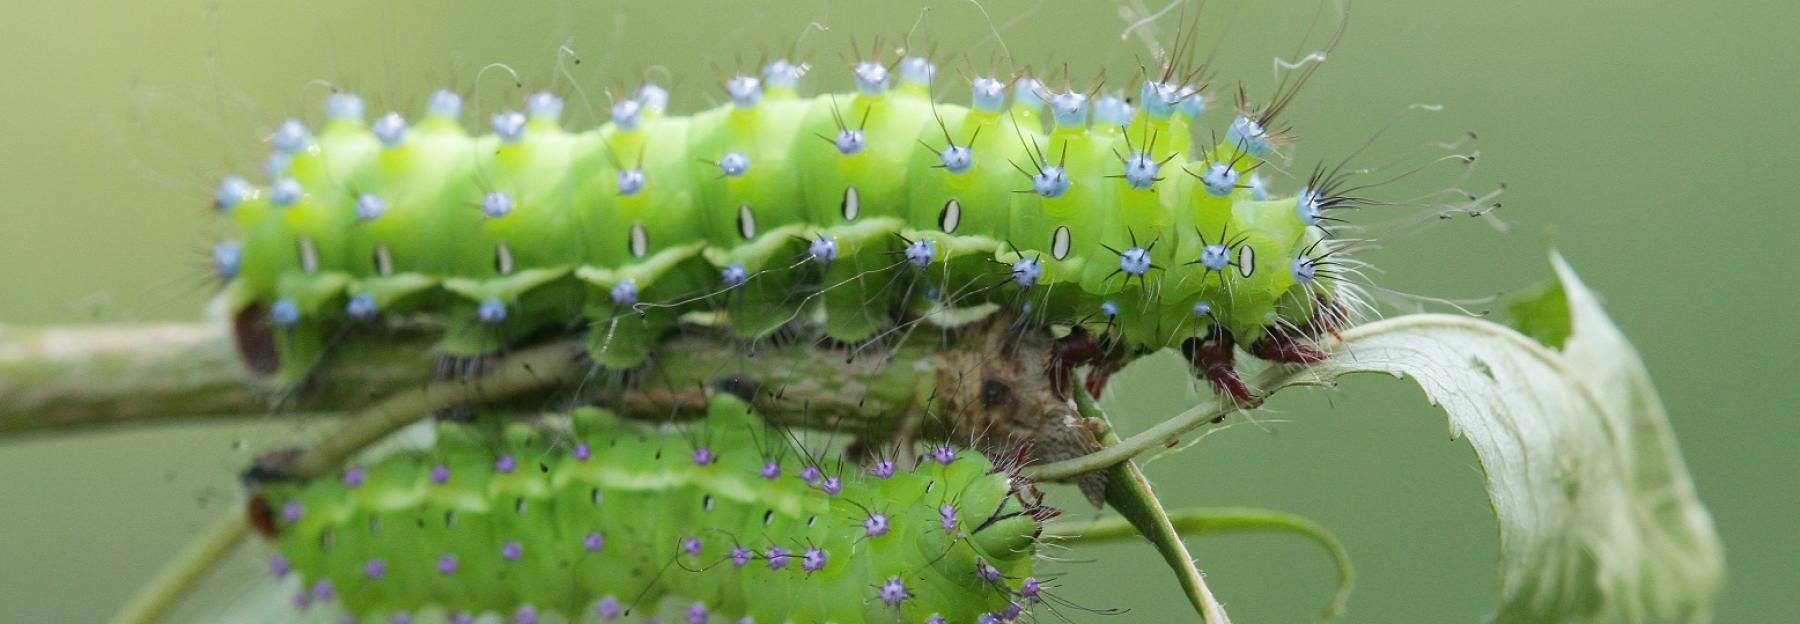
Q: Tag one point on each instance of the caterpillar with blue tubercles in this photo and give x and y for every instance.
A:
(537, 522)
(866, 211)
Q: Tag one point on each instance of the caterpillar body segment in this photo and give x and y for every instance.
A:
(617, 518)
(861, 208)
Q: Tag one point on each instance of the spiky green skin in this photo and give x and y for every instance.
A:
(651, 495)
(570, 230)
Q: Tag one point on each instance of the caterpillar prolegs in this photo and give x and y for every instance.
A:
(615, 518)
(865, 209)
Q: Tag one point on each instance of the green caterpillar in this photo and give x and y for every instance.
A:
(775, 207)
(616, 518)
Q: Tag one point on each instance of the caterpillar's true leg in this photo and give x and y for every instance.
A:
(1288, 346)
(1068, 353)
(1212, 357)
(1295, 345)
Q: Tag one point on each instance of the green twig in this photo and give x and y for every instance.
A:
(1196, 522)
(1129, 493)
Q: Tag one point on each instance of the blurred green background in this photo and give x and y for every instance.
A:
(1647, 137)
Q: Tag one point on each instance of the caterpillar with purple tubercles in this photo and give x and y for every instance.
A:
(860, 213)
(535, 522)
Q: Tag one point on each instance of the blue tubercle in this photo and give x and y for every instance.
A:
(496, 205)
(1220, 179)
(491, 312)
(1026, 272)
(444, 103)
(654, 98)
(921, 252)
(284, 313)
(290, 137)
(734, 275)
(625, 293)
(987, 95)
(544, 105)
(849, 141)
(344, 106)
(745, 91)
(1248, 135)
(1159, 98)
(957, 158)
(1307, 204)
(627, 114)
(734, 164)
(509, 126)
(1141, 171)
(1135, 261)
(361, 307)
(369, 207)
(782, 74)
(1215, 257)
(631, 181)
(227, 258)
(1069, 109)
(917, 70)
(823, 250)
(390, 129)
(1051, 181)
(1109, 309)
(1305, 270)
(285, 192)
(231, 191)
(871, 78)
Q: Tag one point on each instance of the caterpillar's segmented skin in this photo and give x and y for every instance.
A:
(872, 205)
(616, 518)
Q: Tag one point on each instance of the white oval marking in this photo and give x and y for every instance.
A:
(852, 203)
(503, 260)
(950, 217)
(1060, 242)
(1246, 262)
(639, 240)
(309, 255)
(384, 260)
(746, 222)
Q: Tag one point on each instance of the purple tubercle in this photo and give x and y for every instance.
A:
(292, 511)
(512, 551)
(832, 486)
(691, 545)
(935, 619)
(814, 559)
(506, 464)
(461, 618)
(778, 557)
(324, 591)
(883, 469)
(583, 452)
(440, 474)
(893, 592)
(811, 475)
(985, 572)
(771, 470)
(876, 525)
(1012, 612)
(594, 542)
(401, 617)
(703, 456)
(279, 566)
(446, 564)
(1030, 589)
(375, 568)
(608, 608)
(947, 518)
(697, 613)
(355, 476)
(943, 455)
(740, 556)
(526, 614)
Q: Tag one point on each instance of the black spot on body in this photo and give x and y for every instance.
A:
(995, 393)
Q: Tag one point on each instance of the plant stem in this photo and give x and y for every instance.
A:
(155, 599)
(1195, 522)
